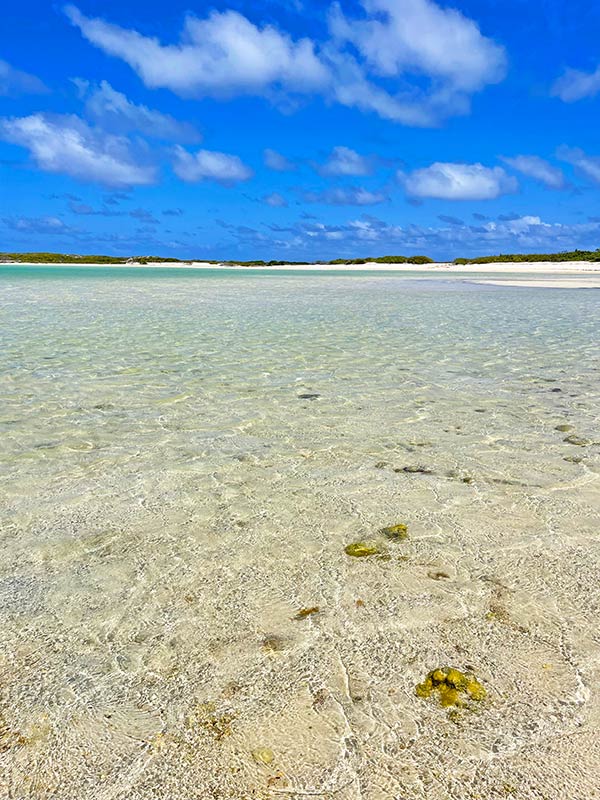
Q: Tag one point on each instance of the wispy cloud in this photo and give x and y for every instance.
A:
(275, 200)
(447, 181)
(68, 145)
(277, 162)
(588, 166)
(346, 196)
(575, 85)
(114, 111)
(210, 165)
(345, 161)
(410, 61)
(47, 225)
(85, 210)
(14, 82)
(538, 169)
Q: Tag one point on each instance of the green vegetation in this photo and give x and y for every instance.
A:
(453, 687)
(573, 255)
(69, 258)
(385, 260)
(66, 258)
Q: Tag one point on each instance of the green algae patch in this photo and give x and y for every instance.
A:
(451, 687)
(396, 533)
(362, 550)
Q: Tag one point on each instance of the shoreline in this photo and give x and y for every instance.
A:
(531, 274)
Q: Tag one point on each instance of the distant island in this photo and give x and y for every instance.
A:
(69, 258)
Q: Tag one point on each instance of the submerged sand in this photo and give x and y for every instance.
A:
(184, 463)
(537, 274)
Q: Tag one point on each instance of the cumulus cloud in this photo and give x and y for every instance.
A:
(538, 169)
(588, 166)
(400, 38)
(65, 144)
(369, 235)
(223, 54)
(344, 161)
(210, 165)
(115, 111)
(574, 85)
(275, 200)
(459, 182)
(277, 162)
(346, 196)
(410, 61)
(14, 81)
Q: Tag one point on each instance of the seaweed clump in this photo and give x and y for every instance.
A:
(396, 533)
(453, 687)
(306, 612)
(362, 550)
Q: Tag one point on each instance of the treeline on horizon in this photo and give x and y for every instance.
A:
(571, 255)
(64, 258)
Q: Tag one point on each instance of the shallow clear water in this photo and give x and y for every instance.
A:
(170, 501)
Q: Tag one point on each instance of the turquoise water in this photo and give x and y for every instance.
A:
(184, 459)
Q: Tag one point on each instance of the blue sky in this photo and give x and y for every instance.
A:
(300, 130)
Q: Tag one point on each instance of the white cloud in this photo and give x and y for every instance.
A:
(399, 39)
(344, 161)
(222, 54)
(459, 182)
(575, 85)
(44, 225)
(369, 235)
(515, 226)
(14, 81)
(114, 110)
(346, 196)
(429, 60)
(65, 144)
(420, 36)
(277, 162)
(210, 165)
(275, 200)
(589, 166)
(538, 169)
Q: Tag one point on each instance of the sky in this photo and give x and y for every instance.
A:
(300, 130)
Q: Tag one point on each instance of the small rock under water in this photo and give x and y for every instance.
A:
(578, 441)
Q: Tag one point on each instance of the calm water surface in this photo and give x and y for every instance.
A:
(184, 458)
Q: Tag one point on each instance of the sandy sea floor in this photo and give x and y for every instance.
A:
(184, 460)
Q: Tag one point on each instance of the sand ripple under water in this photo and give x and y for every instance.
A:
(183, 463)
